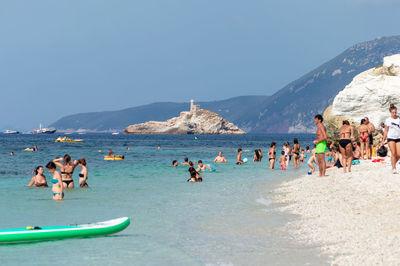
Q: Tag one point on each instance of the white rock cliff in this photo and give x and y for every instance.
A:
(370, 93)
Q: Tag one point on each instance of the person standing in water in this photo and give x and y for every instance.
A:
(392, 134)
(239, 157)
(296, 153)
(371, 129)
(220, 158)
(320, 143)
(67, 169)
(83, 175)
(57, 188)
(272, 155)
(346, 137)
(39, 180)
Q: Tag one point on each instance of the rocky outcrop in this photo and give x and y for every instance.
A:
(369, 94)
(199, 122)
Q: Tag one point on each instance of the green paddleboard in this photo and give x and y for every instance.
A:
(35, 233)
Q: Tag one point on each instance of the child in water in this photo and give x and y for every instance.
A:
(302, 155)
(282, 160)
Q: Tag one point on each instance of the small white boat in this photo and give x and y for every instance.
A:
(115, 133)
(11, 132)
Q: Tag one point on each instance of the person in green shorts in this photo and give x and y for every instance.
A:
(320, 143)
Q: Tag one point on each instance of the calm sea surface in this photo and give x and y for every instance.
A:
(229, 219)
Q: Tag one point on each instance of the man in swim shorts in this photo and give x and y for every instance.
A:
(371, 129)
(320, 143)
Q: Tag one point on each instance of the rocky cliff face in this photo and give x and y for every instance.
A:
(369, 94)
(199, 122)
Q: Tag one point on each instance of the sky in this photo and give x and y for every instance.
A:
(59, 58)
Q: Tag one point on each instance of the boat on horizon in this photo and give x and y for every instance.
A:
(44, 130)
(11, 132)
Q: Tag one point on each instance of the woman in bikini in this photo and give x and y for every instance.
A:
(83, 174)
(39, 180)
(272, 155)
(392, 134)
(296, 153)
(57, 187)
(363, 132)
(346, 137)
(67, 169)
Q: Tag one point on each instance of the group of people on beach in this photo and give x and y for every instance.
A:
(63, 178)
(350, 152)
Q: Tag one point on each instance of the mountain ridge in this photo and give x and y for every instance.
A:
(289, 110)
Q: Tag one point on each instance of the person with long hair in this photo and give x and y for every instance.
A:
(392, 134)
(296, 153)
(67, 169)
(363, 132)
(272, 155)
(38, 180)
(83, 175)
(257, 156)
(57, 188)
(346, 137)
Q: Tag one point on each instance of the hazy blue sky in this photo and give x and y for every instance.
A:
(64, 57)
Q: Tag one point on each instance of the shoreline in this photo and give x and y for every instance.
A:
(353, 217)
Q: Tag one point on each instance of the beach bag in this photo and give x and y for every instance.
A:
(382, 151)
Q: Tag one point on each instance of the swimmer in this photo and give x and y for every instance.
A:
(64, 138)
(257, 155)
(308, 149)
(202, 167)
(311, 161)
(282, 160)
(302, 156)
(57, 187)
(371, 128)
(220, 158)
(59, 138)
(272, 155)
(239, 157)
(110, 153)
(320, 143)
(296, 153)
(128, 148)
(174, 163)
(158, 148)
(67, 169)
(186, 161)
(12, 153)
(38, 180)
(194, 175)
(35, 148)
(346, 136)
(83, 175)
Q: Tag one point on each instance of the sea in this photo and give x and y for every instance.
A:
(228, 219)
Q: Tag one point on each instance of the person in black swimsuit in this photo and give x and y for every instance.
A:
(272, 155)
(67, 169)
(346, 137)
(194, 175)
(83, 175)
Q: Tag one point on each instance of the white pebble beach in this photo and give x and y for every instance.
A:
(353, 217)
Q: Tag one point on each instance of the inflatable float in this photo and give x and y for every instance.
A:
(69, 141)
(114, 158)
(28, 149)
(36, 233)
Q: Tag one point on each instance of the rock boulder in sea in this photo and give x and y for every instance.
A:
(198, 121)
(369, 94)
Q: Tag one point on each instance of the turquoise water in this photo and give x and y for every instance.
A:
(229, 219)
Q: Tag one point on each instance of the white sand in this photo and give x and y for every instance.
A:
(354, 217)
